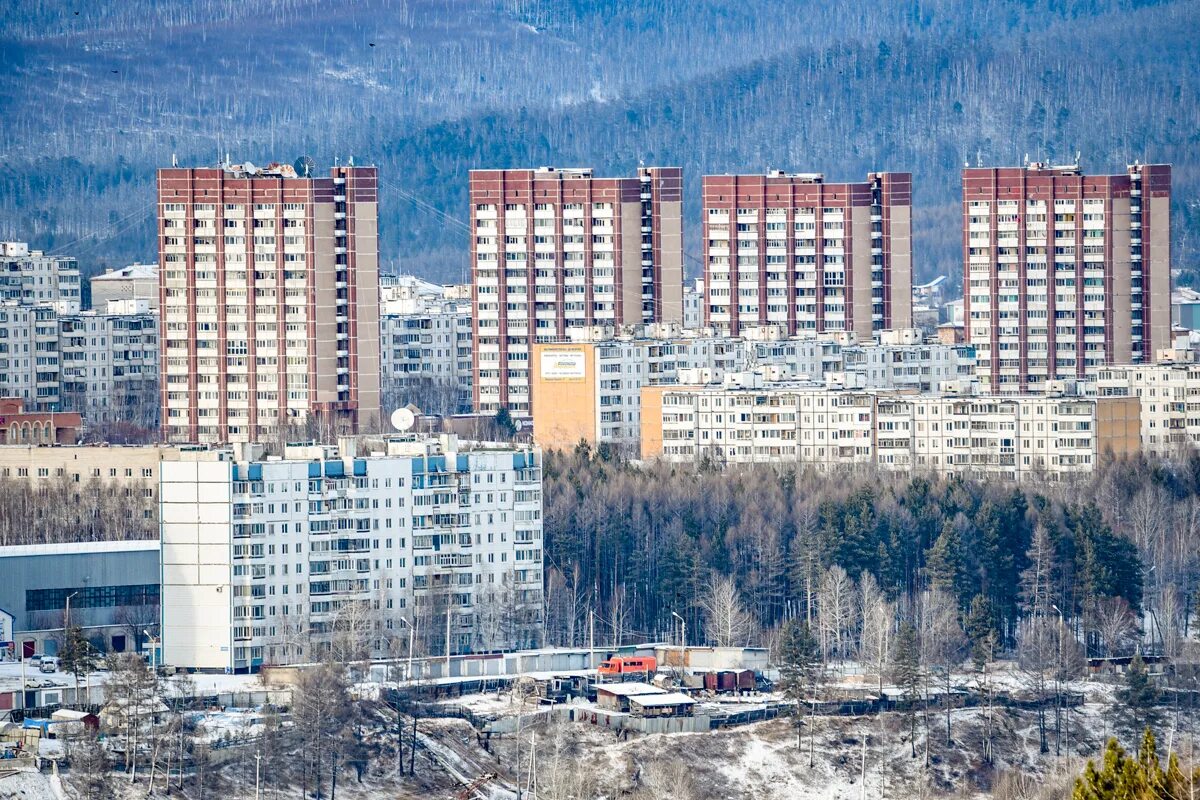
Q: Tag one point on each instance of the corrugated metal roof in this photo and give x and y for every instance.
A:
(665, 699)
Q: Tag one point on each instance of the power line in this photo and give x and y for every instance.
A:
(447, 219)
(141, 210)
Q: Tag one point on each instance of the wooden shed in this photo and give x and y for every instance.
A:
(669, 704)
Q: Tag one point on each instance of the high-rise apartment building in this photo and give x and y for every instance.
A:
(270, 300)
(792, 250)
(555, 249)
(271, 561)
(31, 277)
(109, 363)
(756, 419)
(1065, 272)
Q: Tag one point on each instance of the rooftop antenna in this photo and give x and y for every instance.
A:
(350, 163)
(174, 160)
(403, 419)
(978, 157)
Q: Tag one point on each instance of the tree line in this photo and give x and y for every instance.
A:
(737, 552)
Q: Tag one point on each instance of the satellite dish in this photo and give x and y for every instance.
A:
(403, 419)
(520, 424)
(304, 166)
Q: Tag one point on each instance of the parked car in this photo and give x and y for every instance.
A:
(35, 660)
(48, 664)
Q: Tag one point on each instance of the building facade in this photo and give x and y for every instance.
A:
(101, 364)
(269, 290)
(113, 589)
(753, 419)
(109, 363)
(30, 361)
(18, 426)
(134, 282)
(30, 277)
(426, 351)
(271, 561)
(591, 391)
(1064, 272)
(1170, 403)
(556, 249)
(792, 250)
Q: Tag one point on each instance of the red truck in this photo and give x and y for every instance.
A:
(623, 665)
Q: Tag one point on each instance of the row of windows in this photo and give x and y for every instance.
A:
(92, 597)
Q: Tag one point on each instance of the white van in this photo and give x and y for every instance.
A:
(49, 664)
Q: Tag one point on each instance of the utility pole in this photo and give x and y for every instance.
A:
(863, 774)
(591, 637)
(257, 776)
(447, 638)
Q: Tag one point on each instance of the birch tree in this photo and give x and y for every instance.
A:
(726, 620)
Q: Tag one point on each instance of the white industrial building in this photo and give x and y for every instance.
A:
(372, 545)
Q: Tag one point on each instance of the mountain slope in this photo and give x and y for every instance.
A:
(450, 86)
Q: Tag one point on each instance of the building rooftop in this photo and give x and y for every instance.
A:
(629, 689)
(78, 548)
(131, 272)
(665, 699)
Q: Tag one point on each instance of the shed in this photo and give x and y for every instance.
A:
(669, 704)
(117, 714)
(77, 720)
(616, 696)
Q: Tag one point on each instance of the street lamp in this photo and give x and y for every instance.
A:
(67, 615)
(412, 632)
(683, 640)
(154, 640)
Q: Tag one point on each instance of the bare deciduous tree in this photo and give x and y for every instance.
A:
(726, 620)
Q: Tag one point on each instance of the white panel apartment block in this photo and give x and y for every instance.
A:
(278, 559)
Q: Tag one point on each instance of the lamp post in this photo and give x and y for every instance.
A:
(67, 615)
(682, 641)
(411, 637)
(154, 641)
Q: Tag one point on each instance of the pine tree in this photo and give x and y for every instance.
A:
(945, 565)
(799, 666)
(76, 656)
(1121, 777)
(1138, 698)
(906, 674)
(980, 633)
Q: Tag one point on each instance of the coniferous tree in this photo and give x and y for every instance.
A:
(1138, 698)
(799, 667)
(906, 674)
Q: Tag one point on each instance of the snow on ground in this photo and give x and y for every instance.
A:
(27, 786)
(235, 724)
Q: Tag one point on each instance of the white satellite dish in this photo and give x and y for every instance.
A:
(403, 419)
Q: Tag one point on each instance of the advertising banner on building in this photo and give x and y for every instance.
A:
(563, 365)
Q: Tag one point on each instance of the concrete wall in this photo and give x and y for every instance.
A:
(566, 405)
(196, 564)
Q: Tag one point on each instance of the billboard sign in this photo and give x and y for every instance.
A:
(563, 365)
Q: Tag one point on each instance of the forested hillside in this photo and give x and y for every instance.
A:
(95, 96)
(634, 544)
